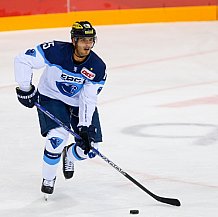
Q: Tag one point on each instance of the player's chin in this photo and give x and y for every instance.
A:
(86, 52)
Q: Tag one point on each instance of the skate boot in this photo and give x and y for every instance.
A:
(68, 165)
(48, 186)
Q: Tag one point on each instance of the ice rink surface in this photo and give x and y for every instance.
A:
(159, 115)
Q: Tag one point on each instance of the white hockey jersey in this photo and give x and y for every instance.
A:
(74, 84)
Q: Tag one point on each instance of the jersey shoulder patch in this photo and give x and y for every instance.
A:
(31, 52)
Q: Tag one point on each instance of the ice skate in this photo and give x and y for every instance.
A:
(68, 165)
(47, 187)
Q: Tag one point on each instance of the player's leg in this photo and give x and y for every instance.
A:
(56, 138)
(73, 152)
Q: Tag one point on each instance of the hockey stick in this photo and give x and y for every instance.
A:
(171, 201)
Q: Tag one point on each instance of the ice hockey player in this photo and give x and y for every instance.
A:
(68, 88)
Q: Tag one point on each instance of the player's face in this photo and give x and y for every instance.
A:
(83, 46)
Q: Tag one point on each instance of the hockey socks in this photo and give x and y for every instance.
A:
(54, 145)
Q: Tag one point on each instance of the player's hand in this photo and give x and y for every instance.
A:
(27, 98)
(88, 136)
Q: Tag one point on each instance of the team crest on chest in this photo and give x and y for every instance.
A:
(87, 73)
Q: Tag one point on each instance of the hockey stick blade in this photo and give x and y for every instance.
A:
(170, 201)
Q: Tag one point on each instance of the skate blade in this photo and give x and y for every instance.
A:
(46, 197)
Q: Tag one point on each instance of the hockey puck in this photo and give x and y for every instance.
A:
(134, 211)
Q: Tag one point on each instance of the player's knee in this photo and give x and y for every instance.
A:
(56, 140)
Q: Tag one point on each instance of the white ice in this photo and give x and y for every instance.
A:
(159, 115)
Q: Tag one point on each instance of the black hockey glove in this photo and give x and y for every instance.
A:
(88, 136)
(27, 98)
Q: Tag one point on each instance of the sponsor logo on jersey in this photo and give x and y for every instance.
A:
(87, 73)
(66, 77)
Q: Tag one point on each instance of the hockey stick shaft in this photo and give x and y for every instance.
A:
(171, 201)
(46, 112)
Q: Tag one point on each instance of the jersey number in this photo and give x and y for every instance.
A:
(47, 45)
